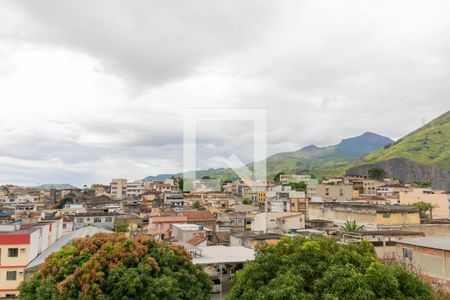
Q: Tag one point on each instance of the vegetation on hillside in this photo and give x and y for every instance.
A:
(320, 268)
(112, 266)
(427, 145)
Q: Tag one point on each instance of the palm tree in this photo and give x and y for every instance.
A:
(351, 226)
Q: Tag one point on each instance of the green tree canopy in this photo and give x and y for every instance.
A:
(247, 201)
(298, 186)
(277, 176)
(63, 202)
(319, 268)
(120, 228)
(197, 205)
(425, 209)
(377, 173)
(112, 266)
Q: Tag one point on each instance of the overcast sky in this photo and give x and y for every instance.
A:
(92, 90)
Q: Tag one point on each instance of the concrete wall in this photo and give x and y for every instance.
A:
(397, 218)
(427, 229)
(368, 219)
(339, 192)
(438, 199)
(434, 263)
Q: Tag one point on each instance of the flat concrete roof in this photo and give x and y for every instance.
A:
(190, 227)
(63, 241)
(223, 254)
(441, 242)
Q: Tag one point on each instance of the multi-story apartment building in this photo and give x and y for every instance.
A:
(284, 199)
(136, 188)
(18, 247)
(174, 199)
(118, 189)
(16, 200)
(370, 186)
(335, 192)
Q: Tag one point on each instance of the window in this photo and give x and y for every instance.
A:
(11, 275)
(407, 253)
(80, 220)
(64, 225)
(108, 219)
(97, 220)
(13, 252)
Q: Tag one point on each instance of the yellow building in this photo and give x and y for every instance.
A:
(261, 199)
(19, 246)
(299, 204)
(372, 216)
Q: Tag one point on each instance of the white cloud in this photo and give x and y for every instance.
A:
(94, 90)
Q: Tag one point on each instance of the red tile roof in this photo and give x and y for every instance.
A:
(196, 240)
(199, 215)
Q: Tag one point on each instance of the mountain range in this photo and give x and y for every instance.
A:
(319, 161)
(423, 155)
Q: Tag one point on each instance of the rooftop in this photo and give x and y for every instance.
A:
(199, 215)
(223, 254)
(94, 214)
(441, 242)
(290, 216)
(189, 227)
(379, 208)
(62, 241)
(384, 232)
(256, 235)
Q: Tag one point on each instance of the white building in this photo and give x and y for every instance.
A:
(278, 222)
(136, 188)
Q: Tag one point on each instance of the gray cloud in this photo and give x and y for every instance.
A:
(152, 42)
(323, 70)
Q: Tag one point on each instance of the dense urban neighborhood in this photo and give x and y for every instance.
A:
(211, 150)
(404, 222)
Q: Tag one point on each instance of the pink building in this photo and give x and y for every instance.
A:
(160, 225)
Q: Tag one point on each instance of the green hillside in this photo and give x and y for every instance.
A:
(318, 161)
(428, 145)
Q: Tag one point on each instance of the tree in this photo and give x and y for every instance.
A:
(377, 173)
(120, 228)
(276, 178)
(206, 177)
(247, 201)
(351, 226)
(197, 205)
(63, 202)
(298, 186)
(425, 209)
(316, 267)
(180, 183)
(112, 266)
